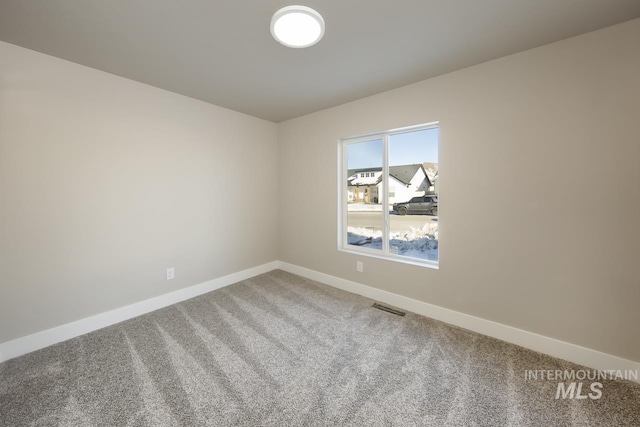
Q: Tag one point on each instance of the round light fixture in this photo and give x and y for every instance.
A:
(297, 26)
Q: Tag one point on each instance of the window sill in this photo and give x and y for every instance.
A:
(394, 258)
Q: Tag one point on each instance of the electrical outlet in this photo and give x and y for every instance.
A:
(171, 273)
(359, 266)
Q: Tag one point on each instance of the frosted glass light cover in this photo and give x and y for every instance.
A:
(297, 26)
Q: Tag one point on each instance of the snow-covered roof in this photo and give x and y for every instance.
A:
(431, 170)
(354, 178)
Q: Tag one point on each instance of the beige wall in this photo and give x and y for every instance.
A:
(105, 182)
(540, 190)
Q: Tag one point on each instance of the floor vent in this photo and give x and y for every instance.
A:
(388, 309)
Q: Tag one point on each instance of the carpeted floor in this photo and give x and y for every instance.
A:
(280, 350)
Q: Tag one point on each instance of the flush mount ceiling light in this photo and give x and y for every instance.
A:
(297, 26)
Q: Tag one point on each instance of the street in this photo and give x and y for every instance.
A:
(397, 223)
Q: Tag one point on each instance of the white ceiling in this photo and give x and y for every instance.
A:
(221, 51)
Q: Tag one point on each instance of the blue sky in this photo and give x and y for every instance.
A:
(404, 149)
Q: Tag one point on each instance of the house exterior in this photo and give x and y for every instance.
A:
(405, 182)
(362, 185)
(431, 170)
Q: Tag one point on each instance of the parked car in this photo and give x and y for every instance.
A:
(418, 205)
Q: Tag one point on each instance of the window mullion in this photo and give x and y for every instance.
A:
(385, 193)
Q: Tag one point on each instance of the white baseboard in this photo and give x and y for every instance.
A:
(573, 353)
(24, 345)
(553, 347)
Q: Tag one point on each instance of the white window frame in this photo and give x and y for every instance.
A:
(384, 253)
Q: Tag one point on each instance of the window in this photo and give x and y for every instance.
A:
(401, 223)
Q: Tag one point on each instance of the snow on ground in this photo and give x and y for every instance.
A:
(418, 242)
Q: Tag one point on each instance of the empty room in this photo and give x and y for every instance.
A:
(227, 213)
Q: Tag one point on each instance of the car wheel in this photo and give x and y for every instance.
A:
(434, 211)
(402, 210)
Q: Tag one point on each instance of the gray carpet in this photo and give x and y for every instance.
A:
(280, 350)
